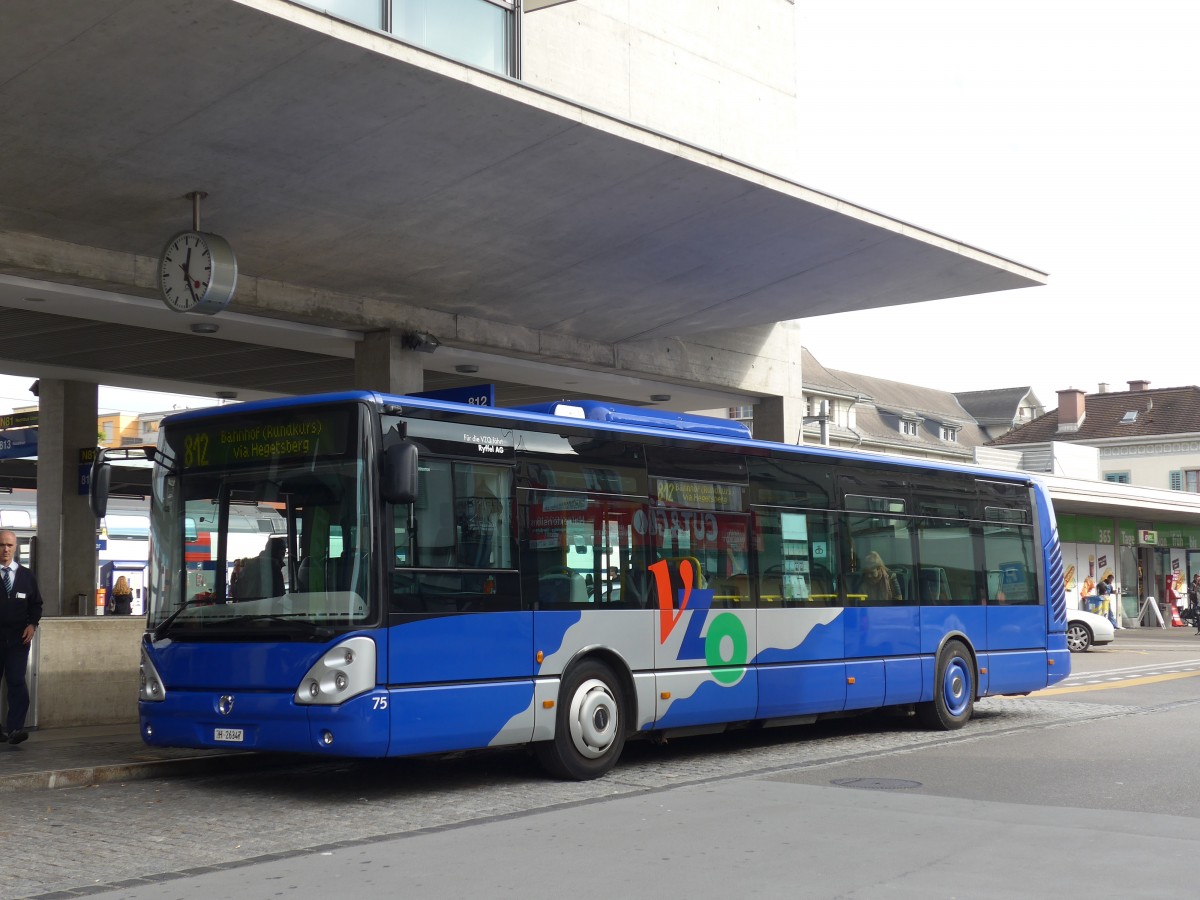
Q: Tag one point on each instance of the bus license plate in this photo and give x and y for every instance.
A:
(229, 735)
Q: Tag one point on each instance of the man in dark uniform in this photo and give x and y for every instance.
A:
(20, 612)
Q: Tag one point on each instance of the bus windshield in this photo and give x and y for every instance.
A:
(261, 527)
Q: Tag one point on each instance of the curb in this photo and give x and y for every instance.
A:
(87, 776)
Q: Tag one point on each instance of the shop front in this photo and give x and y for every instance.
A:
(1151, 564)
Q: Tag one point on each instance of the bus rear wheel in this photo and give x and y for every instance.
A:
(589, 732)
(953, 689)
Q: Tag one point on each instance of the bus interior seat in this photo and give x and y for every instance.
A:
(339, 572)
(770, 586)
(579, 589)
(820, 584)
(1014, 582)
(935, 586)
(731, 591)
(440, 556)
(561, 586)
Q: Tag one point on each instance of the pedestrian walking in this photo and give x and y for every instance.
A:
(1194, 600)
(1108, 595)
(20, 612)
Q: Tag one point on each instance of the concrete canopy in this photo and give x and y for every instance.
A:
(367, 184)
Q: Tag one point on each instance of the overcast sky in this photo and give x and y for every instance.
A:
(1059, 134)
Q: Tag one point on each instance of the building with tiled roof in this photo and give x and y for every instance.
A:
(887, 416)
(1144, 437)
(1001, 410)
(853, 411)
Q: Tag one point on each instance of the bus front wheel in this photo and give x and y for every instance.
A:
(953, 689)
(589, 732)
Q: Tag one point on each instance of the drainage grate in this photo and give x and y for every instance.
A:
(877, 784)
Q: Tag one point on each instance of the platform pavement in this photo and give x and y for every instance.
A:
(76, 757)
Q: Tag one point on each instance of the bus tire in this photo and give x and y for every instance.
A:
(953, 689)
(589, 733)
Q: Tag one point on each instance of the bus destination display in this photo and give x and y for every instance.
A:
(316, 433)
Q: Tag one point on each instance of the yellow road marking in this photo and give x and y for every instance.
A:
(1127, 682)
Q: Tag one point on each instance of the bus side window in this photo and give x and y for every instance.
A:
(946, 576)
(462, 518)
(797, 558)
(1008, 560)
(882, 561)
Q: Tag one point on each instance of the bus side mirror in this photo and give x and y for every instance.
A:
(98, 484)
(400, 473)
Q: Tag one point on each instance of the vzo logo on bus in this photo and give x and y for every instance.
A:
(724, 645)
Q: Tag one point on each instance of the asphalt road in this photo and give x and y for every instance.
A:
(1083, 790)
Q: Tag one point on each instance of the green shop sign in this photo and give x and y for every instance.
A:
(1124, 532)
(1086, 530)
(1172, 534)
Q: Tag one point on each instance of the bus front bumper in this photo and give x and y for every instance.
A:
(267, 722)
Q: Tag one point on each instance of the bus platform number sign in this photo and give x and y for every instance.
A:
(474, 395)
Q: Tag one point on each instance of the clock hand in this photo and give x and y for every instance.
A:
(187, 275)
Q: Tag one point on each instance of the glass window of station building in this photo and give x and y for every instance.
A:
(477, 32)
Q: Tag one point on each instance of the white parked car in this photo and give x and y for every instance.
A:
(1085, 629)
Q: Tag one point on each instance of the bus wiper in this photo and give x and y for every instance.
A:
(198, 600)
(318, 632)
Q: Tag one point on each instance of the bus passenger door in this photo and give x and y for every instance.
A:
(1016, 609)
(460, 646)
(583, 565)
(801, 624)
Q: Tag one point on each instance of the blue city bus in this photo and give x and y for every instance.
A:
(434, 577)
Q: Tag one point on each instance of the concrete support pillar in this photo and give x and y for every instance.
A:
(382, 363)
(779, 419)
(66, 528)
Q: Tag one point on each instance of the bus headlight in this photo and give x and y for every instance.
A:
(342, 672)
(150, 686)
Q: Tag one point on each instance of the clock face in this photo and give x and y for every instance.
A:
(197, 273)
